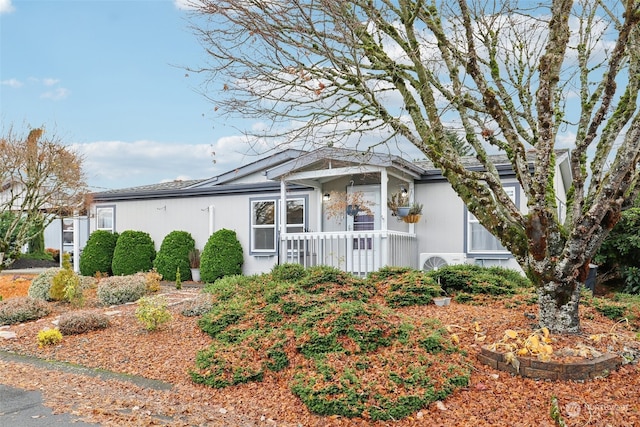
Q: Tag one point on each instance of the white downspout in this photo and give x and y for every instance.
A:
(211, 219)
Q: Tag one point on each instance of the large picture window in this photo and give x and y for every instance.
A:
(264, 222)
(479, 239)
(105, 218)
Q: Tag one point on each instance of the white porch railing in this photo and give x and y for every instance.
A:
(357, 252)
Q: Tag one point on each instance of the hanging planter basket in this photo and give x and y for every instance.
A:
(411, 219)
(403, 211)
(352, 210)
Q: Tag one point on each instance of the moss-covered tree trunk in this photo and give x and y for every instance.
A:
(558, 306)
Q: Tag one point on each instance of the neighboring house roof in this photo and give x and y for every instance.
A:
(251, 168)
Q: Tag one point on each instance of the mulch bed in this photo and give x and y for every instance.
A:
(493, 398)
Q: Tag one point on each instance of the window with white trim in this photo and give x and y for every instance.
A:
(105, 218)
(479, 239)
(264, 222)
(263, 226)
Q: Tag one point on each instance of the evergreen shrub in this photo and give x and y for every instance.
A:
(97, 255)
(174, 254)
(222, 256)
(134, 252)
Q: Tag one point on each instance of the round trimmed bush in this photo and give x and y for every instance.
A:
(41, 285)
(174, 254)
(97, 255)
(117, 290)
(134, 252)
(222, 256)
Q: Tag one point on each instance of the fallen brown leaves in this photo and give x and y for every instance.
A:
(493, 398)
(14, 285)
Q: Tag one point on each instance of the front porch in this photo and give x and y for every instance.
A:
(356, 252)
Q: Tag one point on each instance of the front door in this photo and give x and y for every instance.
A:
(361, 251)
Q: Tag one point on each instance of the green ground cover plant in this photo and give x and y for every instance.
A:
(351, 352)
(474, 279)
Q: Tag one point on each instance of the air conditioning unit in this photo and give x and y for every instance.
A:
(430, 262)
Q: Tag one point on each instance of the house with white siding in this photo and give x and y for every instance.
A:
(279, 208)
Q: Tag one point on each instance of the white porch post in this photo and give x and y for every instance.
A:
(384, 240)
(282, 217)
(412, 199)
(76, 242)
(320, 206)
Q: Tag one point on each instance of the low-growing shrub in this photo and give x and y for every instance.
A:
(612, 311)
(198, 306)
(41, 285)
(22, 309)
(80, 322)
(405, 287)
(121, 289)
(153, 312)
(475, 279)
(49, 337)
(288, 272)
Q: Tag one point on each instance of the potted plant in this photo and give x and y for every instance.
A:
(399, 204)
(442, 301)
(414, 213)
(194, 264)
(339, 203)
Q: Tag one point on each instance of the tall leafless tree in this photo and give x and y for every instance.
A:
(40, 179)
(516, 76)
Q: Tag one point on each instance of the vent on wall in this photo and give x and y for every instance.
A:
(431, 261)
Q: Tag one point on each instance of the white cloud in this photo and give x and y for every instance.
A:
(120, 164)
(185, 4)
(56, 94)
(50, 81)
(14, 83)
(6, 6)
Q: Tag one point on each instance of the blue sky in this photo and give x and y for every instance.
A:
(108, 77)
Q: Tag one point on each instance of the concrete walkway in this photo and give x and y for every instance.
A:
(25, 408)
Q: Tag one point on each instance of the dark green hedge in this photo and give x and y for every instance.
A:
(97, 255)
(174, 254)
(134, 252)
(222, 256)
